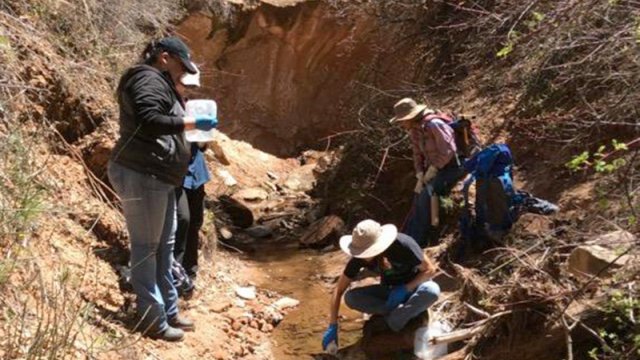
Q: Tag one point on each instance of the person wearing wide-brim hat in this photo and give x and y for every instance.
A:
(435, 161)
(405, 290)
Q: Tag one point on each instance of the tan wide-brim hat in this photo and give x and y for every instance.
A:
(406, 109)
(368, 239)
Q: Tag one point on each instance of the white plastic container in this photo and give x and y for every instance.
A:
(200, 107)
(421, 347)
(332, 348)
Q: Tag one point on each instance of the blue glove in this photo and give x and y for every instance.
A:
(399, 294)
(330, 335)
(206, 122)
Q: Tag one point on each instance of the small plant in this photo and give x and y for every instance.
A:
(509, 45)
(599, 160)
(622, 337)
(21, 195)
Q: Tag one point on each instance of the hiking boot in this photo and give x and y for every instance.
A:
(182, 323)
(171, 334)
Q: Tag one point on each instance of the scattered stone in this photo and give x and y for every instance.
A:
(236, 325)
(301, 179)
(220, 307)
(259, 231)
(220, 355)
(272, 176)
(227, 178)
(533, 224)
(271, 186)
(266, 328)
(235, 313)
(592, 259)
(614, 238)
(285, 303)
(225, 233)
(219, 152)
(323, 232)
(247, 293)
(251, 194)
(272, 315)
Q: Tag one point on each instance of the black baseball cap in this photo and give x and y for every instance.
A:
(175, 46)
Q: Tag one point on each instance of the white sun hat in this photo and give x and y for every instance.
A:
(368, 239)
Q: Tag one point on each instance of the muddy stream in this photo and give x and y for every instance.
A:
(308, 276)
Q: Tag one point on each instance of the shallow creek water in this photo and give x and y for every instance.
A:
(305, 275)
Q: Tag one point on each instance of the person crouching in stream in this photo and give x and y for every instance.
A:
(405, 290)
(436, 162)
(148, 162)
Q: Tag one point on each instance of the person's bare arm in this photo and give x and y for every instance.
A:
(427, 270)
(341, 287)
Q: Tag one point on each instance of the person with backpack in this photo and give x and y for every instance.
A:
(405, 290)
(149, 160)
(436, 162)
(190, 207)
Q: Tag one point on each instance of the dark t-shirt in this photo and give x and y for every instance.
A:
(396, 265)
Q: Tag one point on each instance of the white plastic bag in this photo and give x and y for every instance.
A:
(421, 347)
(200, 107)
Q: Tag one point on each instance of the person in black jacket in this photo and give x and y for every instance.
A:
(148, 162)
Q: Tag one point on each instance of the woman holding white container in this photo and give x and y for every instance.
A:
(148, 162)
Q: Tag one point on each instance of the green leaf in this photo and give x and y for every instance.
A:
(506, 50)
(618, 145)
(579, 161)
(537, 16)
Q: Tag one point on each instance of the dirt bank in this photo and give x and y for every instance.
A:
(296, 75)
(285, 77)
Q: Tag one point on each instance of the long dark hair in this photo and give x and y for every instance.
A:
(150, 53)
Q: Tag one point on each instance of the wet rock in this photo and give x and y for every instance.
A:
(247, 293)
(323, 232)
(251, 194)
(593, 259)
(241, 215)
(259, 231)
(285, 303)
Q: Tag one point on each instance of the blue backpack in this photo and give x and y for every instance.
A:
(496, 199)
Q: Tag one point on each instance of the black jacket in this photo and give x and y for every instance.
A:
(151, 127)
